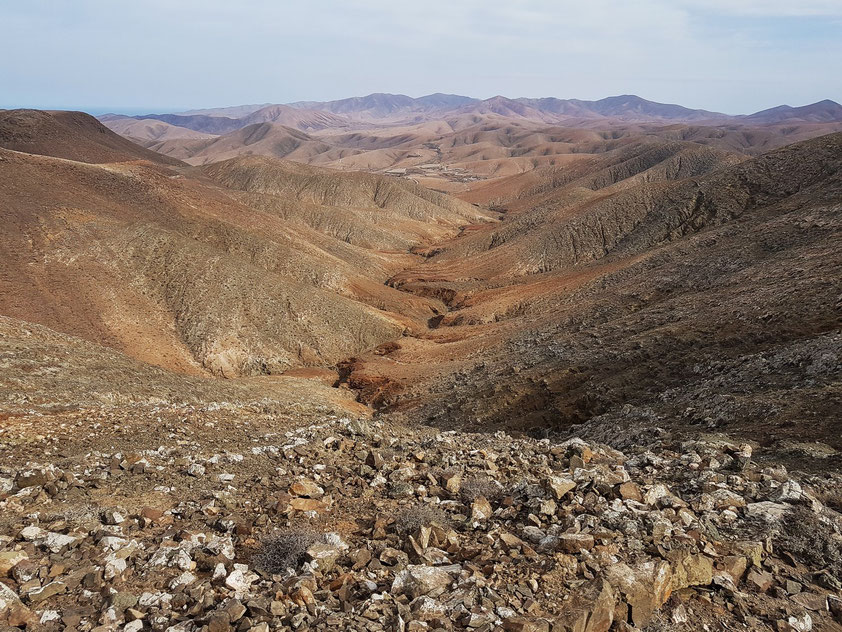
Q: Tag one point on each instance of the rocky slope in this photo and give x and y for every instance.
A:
(344, 524)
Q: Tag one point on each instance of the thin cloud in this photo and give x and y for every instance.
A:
(735, 56)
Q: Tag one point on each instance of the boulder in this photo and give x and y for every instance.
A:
(644, 588)
(417, 580)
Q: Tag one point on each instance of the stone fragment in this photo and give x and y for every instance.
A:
(590, 609)
(645, 588)
(240, 579)
(690, 569)
(766, 511)
(10, 559)
(324, 555)
(42, 594)
(55, 542)
(575, 542)
(481, 509)
(630, 491)
(811, 601)
(306, 488)
(760, 580)
(308, 504)
(560, 486)
(418, 580)
(453, 483)
(734, 565)
(32, 533)
(523, 624)
(33, 478)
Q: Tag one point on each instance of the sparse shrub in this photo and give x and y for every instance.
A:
(475, 486)
(811, 539)
(831, 498)
(284, 549)
(412, 518)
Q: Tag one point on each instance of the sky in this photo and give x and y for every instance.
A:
(732, 56)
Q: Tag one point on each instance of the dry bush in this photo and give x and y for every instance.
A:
(811, 539)
(475, 486)
(410, 519)
(284, 549)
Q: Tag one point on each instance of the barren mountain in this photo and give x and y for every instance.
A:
(826, 111)
(456, 144)
(638, 303)
(118, 254)
(72, 135)
(234, 111)
(195, 122)
(395, 107)
(144, 131)
(304, 120)
(259, 394)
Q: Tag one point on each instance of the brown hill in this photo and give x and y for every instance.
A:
(304, 120)
(641, 270)
(119, 254)
(46, 371)
(638, 303)
(71, 135)
(146, 131)
(262, 139)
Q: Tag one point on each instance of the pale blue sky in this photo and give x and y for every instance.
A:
(734, 56)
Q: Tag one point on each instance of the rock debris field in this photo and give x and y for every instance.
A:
(351, 524)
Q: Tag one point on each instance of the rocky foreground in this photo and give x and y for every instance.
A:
(355, 525)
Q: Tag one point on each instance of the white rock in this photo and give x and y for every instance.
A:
(766, 511)
(55, 542)
(114, 566)
(33, 533)
(8, 597)
(240, 579)
(112, 543)
(801, 624)
(154, 599)
(185, 579)
(417, 580)
(49, 615)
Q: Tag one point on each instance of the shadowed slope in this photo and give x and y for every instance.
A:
(707, 300)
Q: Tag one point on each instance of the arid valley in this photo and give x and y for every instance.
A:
(421, 364)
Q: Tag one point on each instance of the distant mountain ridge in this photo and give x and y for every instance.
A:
(384, 108)
(825, 111)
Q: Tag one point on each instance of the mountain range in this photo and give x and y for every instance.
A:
(451, 142)
(394, 108)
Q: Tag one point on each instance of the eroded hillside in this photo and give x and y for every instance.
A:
(174, 270)
(259, 394)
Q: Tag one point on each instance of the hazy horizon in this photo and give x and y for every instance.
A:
(153, 56)
(137, 111)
